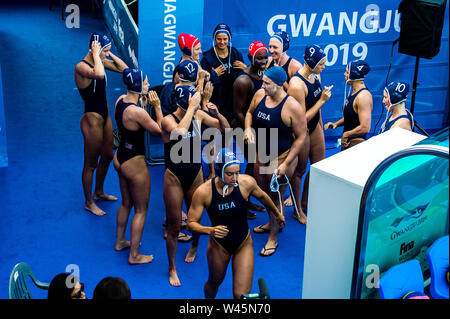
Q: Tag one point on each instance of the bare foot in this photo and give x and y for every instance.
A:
(258, 208)
(190, 256)
(288, 201)
(94, 209)
(183, 216)
(301, 219)
(140, 259)
(173, 278)
(122, 244)
(104, 197)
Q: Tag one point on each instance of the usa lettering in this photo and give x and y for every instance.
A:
(317, 92)
(189, 135)
(264, 116)
(226, 206)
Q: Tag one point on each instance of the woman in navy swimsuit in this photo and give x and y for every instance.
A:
(225, 198)
(96, 125)
(394, 97)
(129, 161)
(181, 134)
(357, 109)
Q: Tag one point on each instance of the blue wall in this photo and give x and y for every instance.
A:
(3, 148)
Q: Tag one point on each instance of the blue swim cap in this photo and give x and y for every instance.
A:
(283, 37)
(134, 80)
(188, 71)
(100, 37)
(397, 92)
(357, 70)
(313, 55)
(223, 159)
(182, 93)
(222, 28)
(277, 75)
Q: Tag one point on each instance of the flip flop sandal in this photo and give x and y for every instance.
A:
(273, 249)
(261, 230)
(184, 238)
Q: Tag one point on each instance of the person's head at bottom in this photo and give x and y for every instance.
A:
(65, 286)
(112, 288)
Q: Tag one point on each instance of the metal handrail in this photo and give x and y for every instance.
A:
(424, 149)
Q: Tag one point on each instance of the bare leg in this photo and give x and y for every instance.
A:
(136, 172)
(123, 212)
(211, 164)
(173, 199)
(190, 256)
(218, 260)
(261, 180)
(316, 154)
(272, 244)
(243, 266)
(106, 155)
(92, 129)
(297, 179)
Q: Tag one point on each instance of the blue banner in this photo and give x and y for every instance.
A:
(160, 23)
(3, 149)
(123, 29)
(346, 30)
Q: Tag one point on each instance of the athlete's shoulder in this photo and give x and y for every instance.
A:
(243, 79)
(168, 121)
(203, 193)
(247, 181)
(366, 92)
(260, 93)
(294, 66)
(364, 96)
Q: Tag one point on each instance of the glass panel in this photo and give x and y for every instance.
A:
(406, 211)
(439, 138)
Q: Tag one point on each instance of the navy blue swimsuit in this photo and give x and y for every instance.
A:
(94, 97)
(351, 119)
(267, 118)
(186, 171)
(230, 211)
(390, 123)
(314, 93)
(132, 143)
